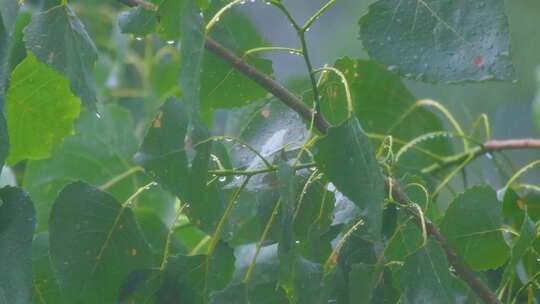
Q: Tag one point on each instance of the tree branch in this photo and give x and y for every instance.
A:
(488, 147)
(323, 125)
(464, 272)
(269, 84)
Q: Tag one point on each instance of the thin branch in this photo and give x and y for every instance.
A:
(464, 272)
(316, 16)
(488, 147)
(309, 66)
(248, 173)
(269, 84)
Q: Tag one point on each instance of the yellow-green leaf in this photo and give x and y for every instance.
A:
(40, 108)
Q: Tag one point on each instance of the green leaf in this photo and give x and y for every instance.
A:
(473, 226)
(307, 282)
(269, 293)
(406, 240)
(345, 156)
(138, 21)
(140, 286)
(183, 280)
(9, 10)
(287, 190)
(45, 289)
(380, 99)
(362, 280)
(440, 40)
(527, 235)
(170, 12)
(94, 243)
(99, 154)
(268, 126)
(164, 157)
(191, 279)
(59, 39)
(222, 86)
(162, 152)
(17, 223)
(192, 42)
(425, 278)
(237, 294)
(313, 217)
(40, 109)
(4, 137)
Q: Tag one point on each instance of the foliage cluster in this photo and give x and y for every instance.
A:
(158, 161)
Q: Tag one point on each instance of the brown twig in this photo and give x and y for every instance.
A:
(269, 84)
(512, 144)
(464, 272)
(486, 148)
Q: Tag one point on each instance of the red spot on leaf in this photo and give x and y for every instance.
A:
(157, 121)
(265, 112)
(479, 61)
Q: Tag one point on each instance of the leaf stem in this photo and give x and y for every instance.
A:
(221, 223)
(118, 178)
(220, 13)
(309, 66)
(284, 10)
(267, 227)
(348, 96)
(271, 49)
(250, 173)
(317, 14)
(167, 248)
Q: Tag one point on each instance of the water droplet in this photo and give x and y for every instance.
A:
(98, 115)
(331, 187)
(222, 179)
(489, 155)
(308, 29)
(312, 169)
(170, 42)
(139, 38)
(391, 68)
(297, 242)
(237, 177)
(228, 139)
